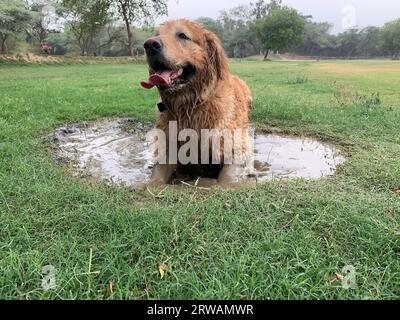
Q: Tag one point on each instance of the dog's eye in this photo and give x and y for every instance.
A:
(183, 36)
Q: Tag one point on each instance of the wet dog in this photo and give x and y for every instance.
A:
(189, 67)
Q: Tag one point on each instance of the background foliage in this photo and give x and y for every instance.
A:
(119, 27)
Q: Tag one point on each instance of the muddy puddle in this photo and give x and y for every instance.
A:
(116, 151)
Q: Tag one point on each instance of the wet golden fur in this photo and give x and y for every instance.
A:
(214, 98)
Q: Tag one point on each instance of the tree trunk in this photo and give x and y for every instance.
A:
(130, 39)
(4, 48)
(86, 45)
(125, 16)
(130, 44)
(82, 47)
(266, 54)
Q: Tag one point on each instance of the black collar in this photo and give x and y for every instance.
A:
(162, 107)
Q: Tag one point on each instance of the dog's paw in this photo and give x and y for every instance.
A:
(235, 177)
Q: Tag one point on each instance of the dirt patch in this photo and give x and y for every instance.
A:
(348, 68)
(116, 151)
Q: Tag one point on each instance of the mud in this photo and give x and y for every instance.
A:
(116, 151)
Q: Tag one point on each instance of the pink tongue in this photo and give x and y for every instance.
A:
(159, 79)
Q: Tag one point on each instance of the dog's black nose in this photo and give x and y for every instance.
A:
(153, 46)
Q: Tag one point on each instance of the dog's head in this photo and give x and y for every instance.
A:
(184, 55)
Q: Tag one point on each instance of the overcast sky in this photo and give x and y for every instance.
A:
(338, 12)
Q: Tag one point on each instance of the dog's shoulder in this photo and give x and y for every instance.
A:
(241, 91)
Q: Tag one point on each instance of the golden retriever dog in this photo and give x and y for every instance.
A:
(190, 69)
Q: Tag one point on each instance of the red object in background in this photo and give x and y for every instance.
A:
(46, 48)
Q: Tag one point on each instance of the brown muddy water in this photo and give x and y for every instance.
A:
(116, 151)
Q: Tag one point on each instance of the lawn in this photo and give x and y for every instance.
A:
(281, 240)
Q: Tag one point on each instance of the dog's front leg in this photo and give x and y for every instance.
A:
(230, 175)
(162, 174)
(234, 176)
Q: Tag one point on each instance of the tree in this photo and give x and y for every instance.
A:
(139, 11)
(241, 43)
(60, 42)
(212, 25)
(45, 20)
(111, 35)
(259, 9)
(281, 28)
(239, 39)
(85, 20)
(371, 42)
(317, 38)
(348, 43)
(235, 18)
(391, 38)
(274, 4)
(14, 18)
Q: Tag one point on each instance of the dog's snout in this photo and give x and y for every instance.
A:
(153, 46)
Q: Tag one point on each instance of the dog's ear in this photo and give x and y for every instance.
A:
(217, 55)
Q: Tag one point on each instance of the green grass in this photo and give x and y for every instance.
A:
(282, 240)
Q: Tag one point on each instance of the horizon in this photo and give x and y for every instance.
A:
(342, 14)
